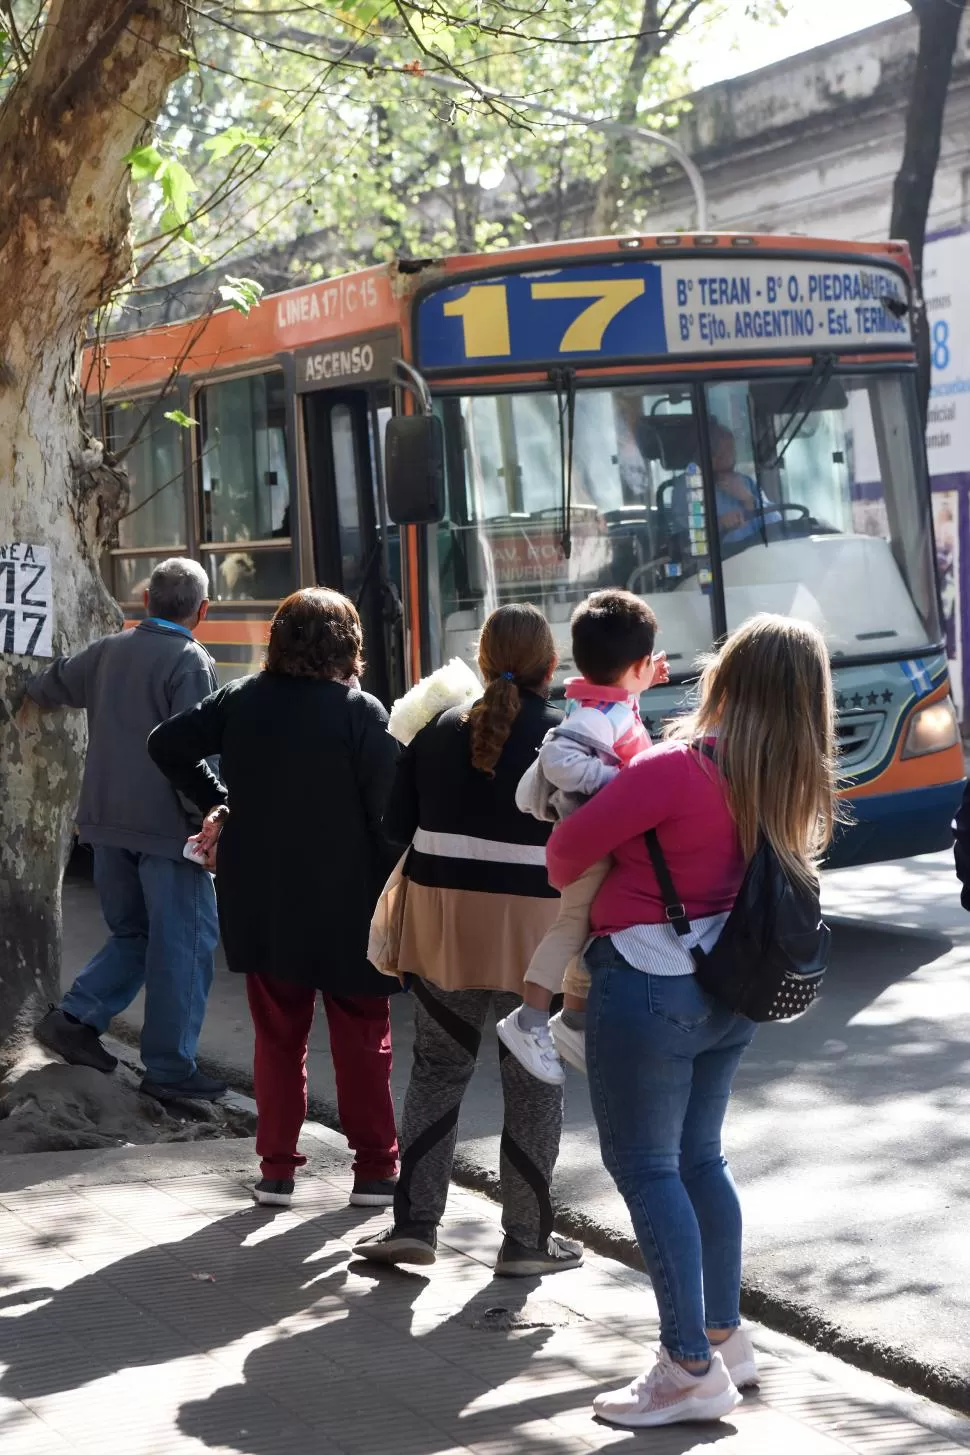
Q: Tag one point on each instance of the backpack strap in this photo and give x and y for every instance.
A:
(673, 905)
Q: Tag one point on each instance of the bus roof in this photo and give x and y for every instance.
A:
(374, 300)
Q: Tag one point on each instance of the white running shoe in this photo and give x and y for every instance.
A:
(532, 1049)
(668, 1395)
(570, 1044)
(738, 1355)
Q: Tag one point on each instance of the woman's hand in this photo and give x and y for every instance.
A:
(207, 839)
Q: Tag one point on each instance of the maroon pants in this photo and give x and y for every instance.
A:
(360, 1043)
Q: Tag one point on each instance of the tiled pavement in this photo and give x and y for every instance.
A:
(147, 1307)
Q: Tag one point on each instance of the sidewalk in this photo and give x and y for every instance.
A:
(867, 1096)
(148, 1308)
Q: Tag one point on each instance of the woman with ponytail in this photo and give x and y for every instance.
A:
(478, 903)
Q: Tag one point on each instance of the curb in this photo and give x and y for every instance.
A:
(800, 1321)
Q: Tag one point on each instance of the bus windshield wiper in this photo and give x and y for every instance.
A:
(798, 406)
(565, 384)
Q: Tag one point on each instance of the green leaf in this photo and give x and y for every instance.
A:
(435, 35)
(169, 221)
(242, 294)
(361, 12)
(234, 137)
(179, 417)
(144, 163)
(177, 187)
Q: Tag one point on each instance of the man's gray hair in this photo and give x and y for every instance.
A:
(177, 589)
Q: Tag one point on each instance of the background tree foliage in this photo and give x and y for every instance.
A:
(322, 133)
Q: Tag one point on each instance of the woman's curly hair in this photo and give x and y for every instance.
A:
(516, 650)
(316, 633)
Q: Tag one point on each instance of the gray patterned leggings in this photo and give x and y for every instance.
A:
(447, 1035)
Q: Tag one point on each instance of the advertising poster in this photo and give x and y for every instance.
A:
(946, 527)
(946, 287)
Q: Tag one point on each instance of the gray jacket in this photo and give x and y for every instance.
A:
(572, 764)
(128, 684)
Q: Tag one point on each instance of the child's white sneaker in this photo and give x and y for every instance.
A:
(737, 1351)
(533, 1049)
(667, 1395)
(570, 1043)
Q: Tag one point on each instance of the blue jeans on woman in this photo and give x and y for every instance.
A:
(662, 1056)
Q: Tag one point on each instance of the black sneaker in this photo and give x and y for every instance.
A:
(270, 1193)
(400, 1245)
(73, 1041)
(379, 1193)
(516, 1261)
(194, 1088)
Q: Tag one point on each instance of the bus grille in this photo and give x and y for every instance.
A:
(855, 735)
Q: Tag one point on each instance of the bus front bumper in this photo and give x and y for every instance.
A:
(896, 825)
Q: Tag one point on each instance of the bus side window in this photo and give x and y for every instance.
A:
(244, 502)
(153, 525)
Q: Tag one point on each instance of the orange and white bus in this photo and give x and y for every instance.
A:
(722, 424)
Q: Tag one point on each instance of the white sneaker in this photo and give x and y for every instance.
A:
(738, 1355)
(532, 1049)
(668, 1395)
(570, 1044)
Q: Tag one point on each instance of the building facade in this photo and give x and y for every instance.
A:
(812, 145)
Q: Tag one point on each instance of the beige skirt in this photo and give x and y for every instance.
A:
(462, 939)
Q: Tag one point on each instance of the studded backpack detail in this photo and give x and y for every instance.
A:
(770, 958)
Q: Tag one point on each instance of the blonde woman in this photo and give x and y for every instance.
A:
(662, 1054)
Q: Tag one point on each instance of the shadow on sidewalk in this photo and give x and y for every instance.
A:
(163, 1303)
(355, 1358)
(361, 1380)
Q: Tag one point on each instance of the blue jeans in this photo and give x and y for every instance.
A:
(164, 931)
(661, 1056)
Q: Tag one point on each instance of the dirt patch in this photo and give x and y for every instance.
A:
(46, 1106)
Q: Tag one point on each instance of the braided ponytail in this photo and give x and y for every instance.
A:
(516, 652)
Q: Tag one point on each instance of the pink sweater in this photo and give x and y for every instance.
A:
(672, 789)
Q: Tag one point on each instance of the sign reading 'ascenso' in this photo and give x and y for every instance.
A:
(350, 361)
(681, 306)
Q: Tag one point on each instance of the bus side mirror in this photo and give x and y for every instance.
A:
(414, 463)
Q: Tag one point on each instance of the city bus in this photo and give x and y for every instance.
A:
(722, 424)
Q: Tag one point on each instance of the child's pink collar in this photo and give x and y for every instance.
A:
(583, 691)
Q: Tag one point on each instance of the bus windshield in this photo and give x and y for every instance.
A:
(814, 482)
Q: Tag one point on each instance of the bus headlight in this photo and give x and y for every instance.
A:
(932, 729)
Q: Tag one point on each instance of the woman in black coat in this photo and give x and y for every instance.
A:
(308, 764)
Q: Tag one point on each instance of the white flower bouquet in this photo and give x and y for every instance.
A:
(453, 685)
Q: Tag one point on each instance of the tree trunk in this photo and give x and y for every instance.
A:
(96, 81)
(939, 29)
(659, 25)
(647, 45)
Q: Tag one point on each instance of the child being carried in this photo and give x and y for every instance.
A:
(613, 634)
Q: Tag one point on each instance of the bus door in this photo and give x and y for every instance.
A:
(354, 550)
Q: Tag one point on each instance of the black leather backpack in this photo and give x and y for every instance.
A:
(771, 955)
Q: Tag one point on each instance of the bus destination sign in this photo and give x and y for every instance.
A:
(342, 363)
(639, 309)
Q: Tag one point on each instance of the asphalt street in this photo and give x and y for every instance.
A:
(846, 1134)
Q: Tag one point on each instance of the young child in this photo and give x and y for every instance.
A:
(613, 646)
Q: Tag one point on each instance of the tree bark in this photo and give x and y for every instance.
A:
(939, 28)
(96, 80)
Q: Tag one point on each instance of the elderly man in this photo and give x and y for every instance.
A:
(159, 907)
